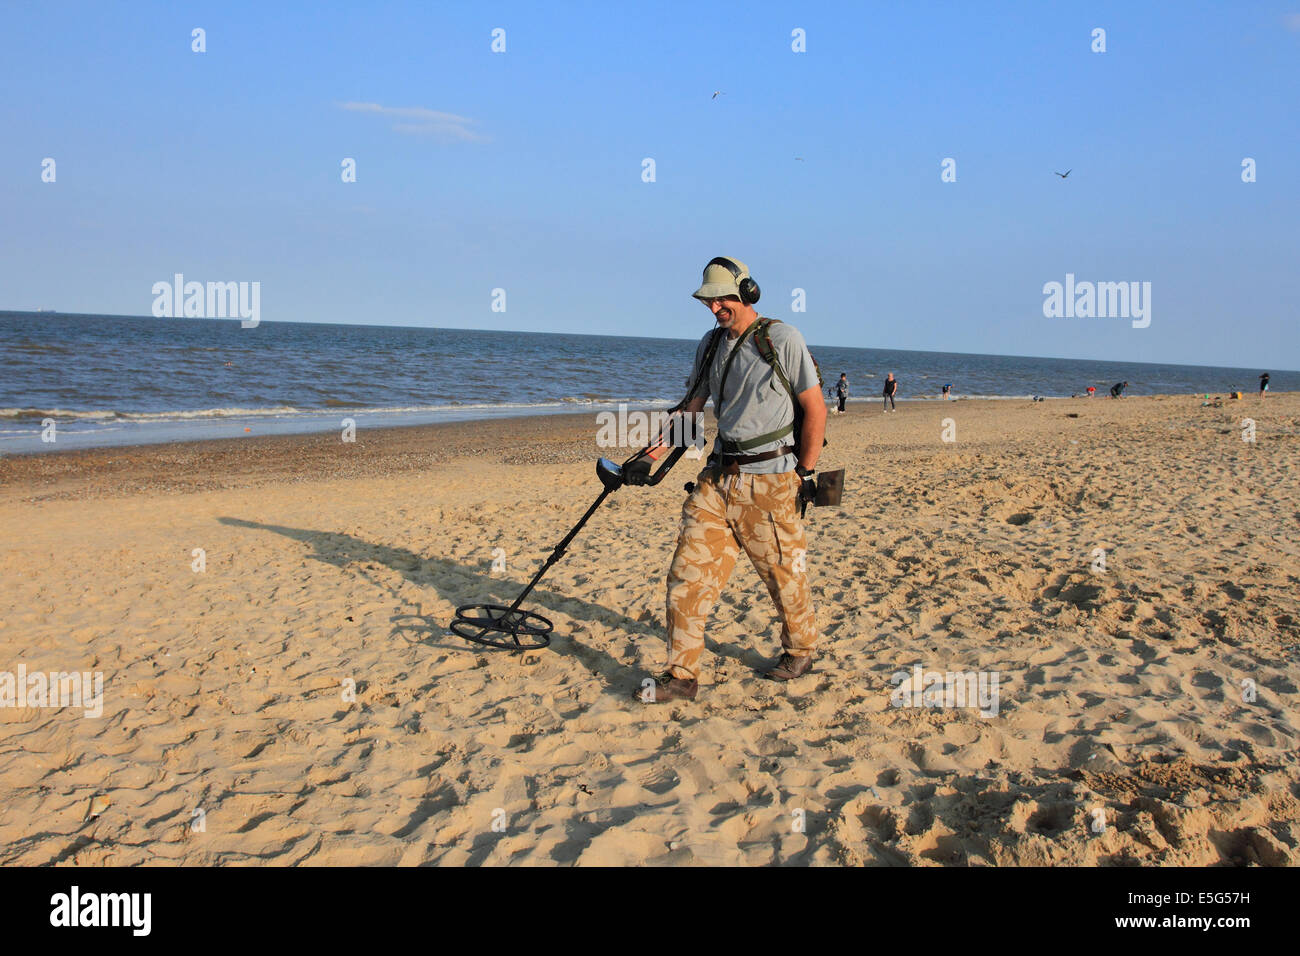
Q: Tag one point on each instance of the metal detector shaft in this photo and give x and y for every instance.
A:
(496, 625)
(559, 550)
(613, 479)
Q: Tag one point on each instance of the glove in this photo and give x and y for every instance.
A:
(637, 472)
(807, 489)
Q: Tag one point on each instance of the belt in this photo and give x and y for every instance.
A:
(730, 464)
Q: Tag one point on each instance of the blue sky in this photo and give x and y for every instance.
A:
(522, 170)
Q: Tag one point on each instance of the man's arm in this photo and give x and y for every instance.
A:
(683, 425)
(814, 426)
(689, 415)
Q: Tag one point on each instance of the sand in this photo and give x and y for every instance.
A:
(299, 700)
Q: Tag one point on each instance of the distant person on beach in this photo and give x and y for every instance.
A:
(891, 387)
(842, 391)
(1092, 390)
(946, 389)
(771, 423)
(1117, 390)
(1263, 385)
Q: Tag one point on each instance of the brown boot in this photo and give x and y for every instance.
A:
(789, 667)
(666, 687)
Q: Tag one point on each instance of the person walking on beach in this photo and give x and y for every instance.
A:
(842, 391)
(771, 421)
(946, 389)
(1117, 390)
(891, 386)
(1263, 385)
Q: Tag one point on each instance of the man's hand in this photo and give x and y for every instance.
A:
(807, 489)
(637, 472)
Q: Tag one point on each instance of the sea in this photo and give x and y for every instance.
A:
(113, 380)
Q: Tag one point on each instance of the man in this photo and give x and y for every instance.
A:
(1263, 385)
(748, 494)
(891, 386)
(842, 390)
(1117, 390)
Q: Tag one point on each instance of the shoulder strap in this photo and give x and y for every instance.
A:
(731, 358)
(706, 363)
(763, 339)
(763, 342)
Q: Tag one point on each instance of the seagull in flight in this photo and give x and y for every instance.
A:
(1064, 174)
(798, 159)
(716, 94)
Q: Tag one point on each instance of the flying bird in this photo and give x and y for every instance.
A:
(798, 159)
(1064, 174)
(716, 94)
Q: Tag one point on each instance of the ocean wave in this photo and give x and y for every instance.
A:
(36, 414)
(288, 411)
(108, 415)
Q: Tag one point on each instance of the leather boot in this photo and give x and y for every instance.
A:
(666, 687)
(789, 667)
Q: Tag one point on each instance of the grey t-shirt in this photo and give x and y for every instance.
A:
(756, 402)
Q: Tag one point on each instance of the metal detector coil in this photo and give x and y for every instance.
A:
(496, 625)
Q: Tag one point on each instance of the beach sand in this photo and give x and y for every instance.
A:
(1151, 685)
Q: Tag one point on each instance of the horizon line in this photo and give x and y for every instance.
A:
(601, 335)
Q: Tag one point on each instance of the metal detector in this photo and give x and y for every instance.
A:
(499, 626)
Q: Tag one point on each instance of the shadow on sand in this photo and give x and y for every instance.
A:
(448, 578)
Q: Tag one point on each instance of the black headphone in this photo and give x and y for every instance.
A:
(749, 290)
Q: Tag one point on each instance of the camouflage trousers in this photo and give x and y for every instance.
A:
(723, 514)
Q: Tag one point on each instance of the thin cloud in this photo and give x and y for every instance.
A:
(445, 126)
(1292, 22)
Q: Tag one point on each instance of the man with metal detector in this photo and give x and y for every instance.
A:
(771, 420)
(767, 393)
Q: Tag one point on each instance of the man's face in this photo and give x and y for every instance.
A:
(724, 310)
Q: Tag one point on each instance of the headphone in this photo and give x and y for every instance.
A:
(749, 291)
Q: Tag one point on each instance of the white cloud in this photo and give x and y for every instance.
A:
(445, 126)
(1292, 22)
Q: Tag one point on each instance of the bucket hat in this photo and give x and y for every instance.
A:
(719, 281)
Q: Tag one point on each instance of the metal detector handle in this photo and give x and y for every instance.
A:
(645, 477)
(663, 469)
